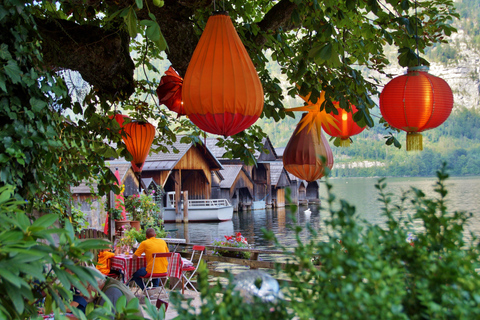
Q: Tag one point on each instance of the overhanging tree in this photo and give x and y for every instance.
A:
(319, 46)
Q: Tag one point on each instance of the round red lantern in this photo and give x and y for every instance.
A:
(308, 153)
(415, 102)
(120, 118)
(138, 141)
(345, 125)
(222, 93)
(169, 91)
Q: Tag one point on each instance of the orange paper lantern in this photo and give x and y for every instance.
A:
(138, 141)
(222, 93)
(346, 126)
(308, 153)
(415, 102)
(169, 91)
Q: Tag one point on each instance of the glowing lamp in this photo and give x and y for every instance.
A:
(345, 125)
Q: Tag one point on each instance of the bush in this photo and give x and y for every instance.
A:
(37, 270)
(373, 272)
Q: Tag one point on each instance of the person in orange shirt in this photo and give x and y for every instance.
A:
(150, 246)
(104, 262)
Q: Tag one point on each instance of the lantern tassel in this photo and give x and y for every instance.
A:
(414, 141)
(345, 143)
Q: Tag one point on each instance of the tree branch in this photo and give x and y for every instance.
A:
(280, 15)
(101, 56)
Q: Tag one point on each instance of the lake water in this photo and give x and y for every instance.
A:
(463, 195)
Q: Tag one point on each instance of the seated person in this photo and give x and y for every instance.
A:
(104, 263)
(150, 246)
(113, 289)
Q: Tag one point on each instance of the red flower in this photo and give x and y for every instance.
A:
(228, 238)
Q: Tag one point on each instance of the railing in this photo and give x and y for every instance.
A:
(204, 203)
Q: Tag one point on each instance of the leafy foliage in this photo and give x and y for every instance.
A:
(142, 207)
(372, 273)
(40, 263)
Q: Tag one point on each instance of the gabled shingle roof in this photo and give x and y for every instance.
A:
(276, 170)
(230, 174)
(218, 152)
(86, 188)
(167, 161)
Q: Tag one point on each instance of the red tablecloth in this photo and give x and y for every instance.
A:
(129, 264)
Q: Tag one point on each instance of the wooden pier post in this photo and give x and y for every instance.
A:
(185, 206)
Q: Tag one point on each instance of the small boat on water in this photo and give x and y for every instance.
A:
(199, 210)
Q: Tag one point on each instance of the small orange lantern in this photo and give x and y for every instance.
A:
(308, 153)
(169, 91)
(415, 102)
(222, 93)
(138, 141)
(346, 126)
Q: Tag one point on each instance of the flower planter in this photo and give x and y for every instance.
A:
(135, 224)
(120, 223)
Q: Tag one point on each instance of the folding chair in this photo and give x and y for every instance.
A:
(162, 277)
(185, 279)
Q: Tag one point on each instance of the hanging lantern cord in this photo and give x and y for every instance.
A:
(416, 33)
(215, 5)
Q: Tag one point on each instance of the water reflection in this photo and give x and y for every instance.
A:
(361, 192)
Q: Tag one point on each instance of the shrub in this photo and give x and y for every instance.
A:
(373, 272)
(37, 270)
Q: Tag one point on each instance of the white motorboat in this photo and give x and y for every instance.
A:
(199, 210)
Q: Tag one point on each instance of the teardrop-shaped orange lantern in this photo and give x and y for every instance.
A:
(308, 153)
(415, 102)
(222, 93)
(169, 91)
(138, 142)
(346, 126)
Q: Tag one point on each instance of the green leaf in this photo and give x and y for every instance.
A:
(153, 32)
(3, 82)
(4, 54)
(45, 221)
(131, 21)
(37, 104)
(13, 71)
(139, 4)
(161, 43)
(121, 302)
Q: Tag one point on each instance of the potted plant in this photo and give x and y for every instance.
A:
(126, 241)
(236, 241)
(142, 208)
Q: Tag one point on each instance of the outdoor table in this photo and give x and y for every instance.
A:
(174, 241)
(129, 264)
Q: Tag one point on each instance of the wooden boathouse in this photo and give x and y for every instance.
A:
(185, 167)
